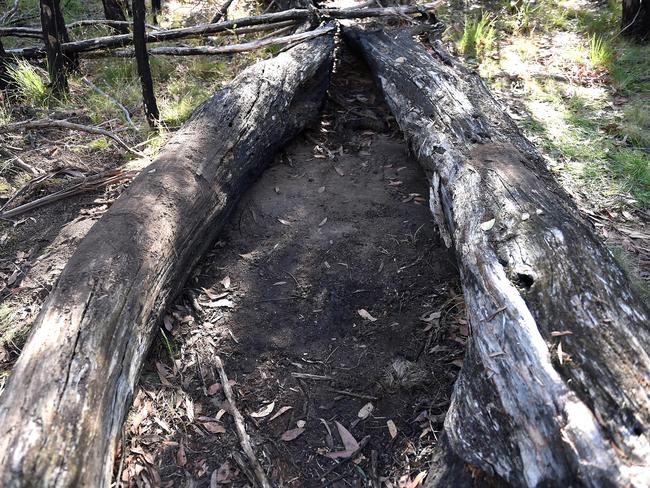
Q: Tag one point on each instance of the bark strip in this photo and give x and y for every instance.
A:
(62, 409)
(555, 386)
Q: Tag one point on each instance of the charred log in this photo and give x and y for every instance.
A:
(62, 408)
(555, 386)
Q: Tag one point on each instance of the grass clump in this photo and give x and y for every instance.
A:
(601, 52)
(478, 36)
(632, 166)
(29, 84)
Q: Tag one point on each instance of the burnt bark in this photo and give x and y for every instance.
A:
(113, 11)
(142, 60)
(156, 7)
(635, 20)
(4, 63)
(54, 35)
(555, 386)
(62, 408)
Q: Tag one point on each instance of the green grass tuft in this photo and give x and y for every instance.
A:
(478, 36)
(632, 166)
(30, 86)
(601, 53)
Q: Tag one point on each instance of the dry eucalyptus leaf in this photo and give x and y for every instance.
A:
(366, 315)
(284, 222)
(214, 427)
(214, 389)
(264, 411)
(181, 457)
(280, 412)
(322, 222)
(321, 189)
(392, 429)
(226, 282)
(365, 411)
(301, 424)
(291, 434)
(348, 439)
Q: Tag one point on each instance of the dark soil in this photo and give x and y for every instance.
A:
(330, 266)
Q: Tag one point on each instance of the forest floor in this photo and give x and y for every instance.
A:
(332, 302)
(330, 277)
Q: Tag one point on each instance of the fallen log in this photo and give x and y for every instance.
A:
(62, 408)
(555, 385)
(198, 31)
(220, 50)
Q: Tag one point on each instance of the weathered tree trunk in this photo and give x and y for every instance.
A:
(113, 11)
(156, 7)
(635, 19)
(142, 60)
(54, 35)
(555, 386)
(205, 30)
(4, 62)
(62, 409)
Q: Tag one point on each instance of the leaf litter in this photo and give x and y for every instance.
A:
(349, 395)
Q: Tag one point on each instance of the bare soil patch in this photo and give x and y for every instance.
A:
(330, 298)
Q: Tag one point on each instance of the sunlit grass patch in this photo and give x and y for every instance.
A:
(29, 82)
(632, 167)
(478, 36)
(601, 52)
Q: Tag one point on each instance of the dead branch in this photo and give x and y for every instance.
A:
(244, 440)
(221, 12)
(125, 110)
(87, 184)
(32, 32)
(214, 50)
(64, 124)
(205, 30)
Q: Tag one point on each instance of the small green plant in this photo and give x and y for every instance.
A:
(478, 36)
(168, 345)
(633, 167)
(601, 53)
(523, 10)
(29, 83)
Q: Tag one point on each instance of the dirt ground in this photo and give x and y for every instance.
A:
(332, 302)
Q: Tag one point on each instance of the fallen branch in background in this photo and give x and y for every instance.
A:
(32, 32)
(64, 124)
(87, 184)
(244, 440)
(212, 50)
(125, 110)
(230, 26)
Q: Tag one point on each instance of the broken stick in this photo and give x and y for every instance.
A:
(244, 440)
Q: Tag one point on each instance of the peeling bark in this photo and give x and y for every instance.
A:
(555, 386)
(62, 409)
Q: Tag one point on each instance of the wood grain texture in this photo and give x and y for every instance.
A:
(531, 406)
(63, 406)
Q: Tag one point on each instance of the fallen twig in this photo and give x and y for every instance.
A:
(362, 445)
(228, 49)
(64, 124)
(89, 183)
(221, 12)
(352, 394)
(244, 440)
(125, 110)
